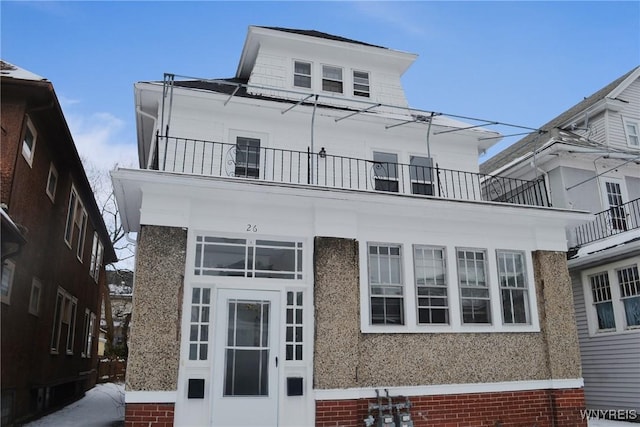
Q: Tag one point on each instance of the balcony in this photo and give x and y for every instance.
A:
(247, 160)
(613, 221)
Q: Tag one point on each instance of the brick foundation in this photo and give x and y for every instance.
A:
(149, 415)
(539, 408)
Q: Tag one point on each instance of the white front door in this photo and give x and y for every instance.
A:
(247, 347)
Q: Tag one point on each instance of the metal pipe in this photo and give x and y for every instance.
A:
(313, 120)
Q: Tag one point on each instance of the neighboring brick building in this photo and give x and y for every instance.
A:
(53, 257)
(306, 239)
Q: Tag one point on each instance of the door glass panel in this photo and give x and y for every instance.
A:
(247, 349)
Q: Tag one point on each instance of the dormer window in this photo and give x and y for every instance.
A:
(302, 74)
(332, 79)
(361, 84)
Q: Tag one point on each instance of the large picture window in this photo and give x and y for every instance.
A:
(221, 256)
(474, 286)
(386, 284)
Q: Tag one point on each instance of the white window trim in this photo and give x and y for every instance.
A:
(52, 172)
(10, 268)
(28, 155)
(82, 232)
(527, 288)
(71, 216)
(293, 74)
(66, 296)
(322, 78)
(353, 83)
(455, 313)
(628, 121)
(35, 283)
(618, 305)
(403, 285)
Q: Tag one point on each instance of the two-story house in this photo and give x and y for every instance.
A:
(306, 240)
(54, 247)
(589, 157)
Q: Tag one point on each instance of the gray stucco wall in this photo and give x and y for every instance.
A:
(344, 357)
(154, 345)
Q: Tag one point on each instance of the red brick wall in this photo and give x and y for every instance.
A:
(149, 415)
(542, 408)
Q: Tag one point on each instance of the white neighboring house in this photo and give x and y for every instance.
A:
(305, 239)
(590, 159)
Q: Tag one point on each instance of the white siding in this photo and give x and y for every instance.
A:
(610, 363)
(617, 136)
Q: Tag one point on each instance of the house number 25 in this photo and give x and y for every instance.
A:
(252, 228)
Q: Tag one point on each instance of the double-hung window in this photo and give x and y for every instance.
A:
(64, 322)
(421, 172)
(361, 84)
(629, 281)
(29, 141)
(430, 273)
(89, 326)
(247, 157)
(386, 287)
(34, 298)
(601, 293)
(97, 249)
(76, 224)
(385, 171)
(474, 286)
(513, 287)
(632, 131)
(302, 74)
(332, 79)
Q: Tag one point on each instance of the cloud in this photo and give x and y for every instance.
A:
(101, 138)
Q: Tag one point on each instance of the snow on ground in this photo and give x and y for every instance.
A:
(102, 406)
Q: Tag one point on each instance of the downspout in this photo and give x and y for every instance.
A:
(313, 119)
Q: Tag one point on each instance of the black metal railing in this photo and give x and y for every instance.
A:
(251, 161)
(615, 220)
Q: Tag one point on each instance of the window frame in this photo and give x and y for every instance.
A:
(525, 289)
(35, 284)
(297, 74)
(619, 313)
(29, 152)
(82, 231)
(626, 122)
(447, 294)
(65, 312)
(330, 80)
(401, 285)
(53, 172)
(8, 266)
(427, 182)
(97, 251)
(388, 182)
(634, 282)
(487, 278)
(71, 216)
(361, 92)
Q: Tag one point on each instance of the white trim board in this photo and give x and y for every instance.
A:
(150, 396)
(446, 389)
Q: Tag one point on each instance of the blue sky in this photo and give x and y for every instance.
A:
(515, 62)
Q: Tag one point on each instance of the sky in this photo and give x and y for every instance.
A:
(514, 62)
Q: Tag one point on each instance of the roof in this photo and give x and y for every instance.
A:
(15, 72)
(321, 35)
(533, 141)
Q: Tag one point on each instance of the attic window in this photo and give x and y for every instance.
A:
(331, 79)
(361, 84)
(632, 131)
(302, 74)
